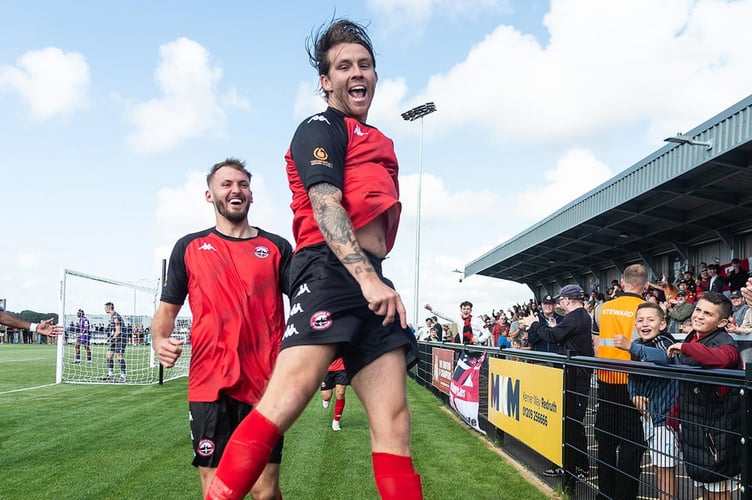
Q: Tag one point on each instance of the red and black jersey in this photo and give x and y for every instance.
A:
(234, 288)
(352, 156)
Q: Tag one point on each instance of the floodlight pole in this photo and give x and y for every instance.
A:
(412, 115)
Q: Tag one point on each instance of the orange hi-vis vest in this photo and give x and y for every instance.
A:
(615, 317)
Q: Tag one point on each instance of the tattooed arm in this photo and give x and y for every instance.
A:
(336, 227)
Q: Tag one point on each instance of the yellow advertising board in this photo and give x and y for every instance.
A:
(526, 401)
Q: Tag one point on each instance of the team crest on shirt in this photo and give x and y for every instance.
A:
(205, 448)
(262, 252)
(321, 320)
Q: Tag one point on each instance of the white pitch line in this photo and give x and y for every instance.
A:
(27, 389)
(20, 360)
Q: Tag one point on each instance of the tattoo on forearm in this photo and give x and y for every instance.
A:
(336, 226)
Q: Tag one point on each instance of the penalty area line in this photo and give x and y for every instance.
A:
(27, 389)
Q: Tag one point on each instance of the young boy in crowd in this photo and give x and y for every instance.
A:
(654, 396)
(710, 414)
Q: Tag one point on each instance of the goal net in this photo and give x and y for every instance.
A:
(135, 303)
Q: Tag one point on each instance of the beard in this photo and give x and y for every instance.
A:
(232, 216)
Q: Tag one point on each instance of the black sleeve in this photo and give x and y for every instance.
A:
(318, 149)
(175, 288)
(285, 258)
(557, 334)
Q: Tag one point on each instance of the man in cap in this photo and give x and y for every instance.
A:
(617, 423)
(547, 316)
(738, 308)
(679, 311)
(570, 334)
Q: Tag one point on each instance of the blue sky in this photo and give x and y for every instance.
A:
(111, 113)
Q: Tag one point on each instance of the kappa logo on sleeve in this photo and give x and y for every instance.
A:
(321, 320)
(318, 118)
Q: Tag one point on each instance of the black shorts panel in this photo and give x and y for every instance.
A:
(328, 307)
(213, 423)
(118, 345)
(332, 379)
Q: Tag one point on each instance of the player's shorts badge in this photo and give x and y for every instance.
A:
(321, 320)
(262, 252)
(205, 448)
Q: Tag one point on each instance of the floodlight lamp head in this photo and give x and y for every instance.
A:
(419, 111)
(683, 139)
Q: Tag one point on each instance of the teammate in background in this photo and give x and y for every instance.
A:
(82, 336)
(234, 275)
(343, 178)
(654, 397)
(336, 381)
(117, 345)
(472, 333)
(44, 327)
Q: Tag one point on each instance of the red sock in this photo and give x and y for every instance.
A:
(339, 405)
(395, 477)
(244, 458)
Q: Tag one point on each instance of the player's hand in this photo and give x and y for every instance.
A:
(384, 301)
(45, 327)
(168, 351)
(674, 349)
(622, 342)
(428, 307)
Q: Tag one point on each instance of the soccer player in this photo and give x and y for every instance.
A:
(117, 343)
(345, 201)
(234, 275)
(44, 327)
(82, 336)
(335, 381)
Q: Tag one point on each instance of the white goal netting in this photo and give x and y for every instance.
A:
(136, 304)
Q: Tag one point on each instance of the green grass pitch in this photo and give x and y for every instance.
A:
(72, 441)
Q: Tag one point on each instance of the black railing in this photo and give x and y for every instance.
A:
(583, 482)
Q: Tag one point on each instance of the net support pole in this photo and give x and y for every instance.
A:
(61, 320)
(164, 284)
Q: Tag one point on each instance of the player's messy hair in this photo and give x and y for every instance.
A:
(330, 34)
(229, 162)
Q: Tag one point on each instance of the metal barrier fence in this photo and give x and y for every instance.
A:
(592, 473)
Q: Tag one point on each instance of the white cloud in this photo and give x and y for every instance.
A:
(576, 173)
(50, 81)
(190, 104)
(29, 260)
(606, 64)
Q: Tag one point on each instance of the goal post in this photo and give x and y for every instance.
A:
(136, 304)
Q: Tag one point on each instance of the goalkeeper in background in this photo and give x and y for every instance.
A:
(234, 275)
